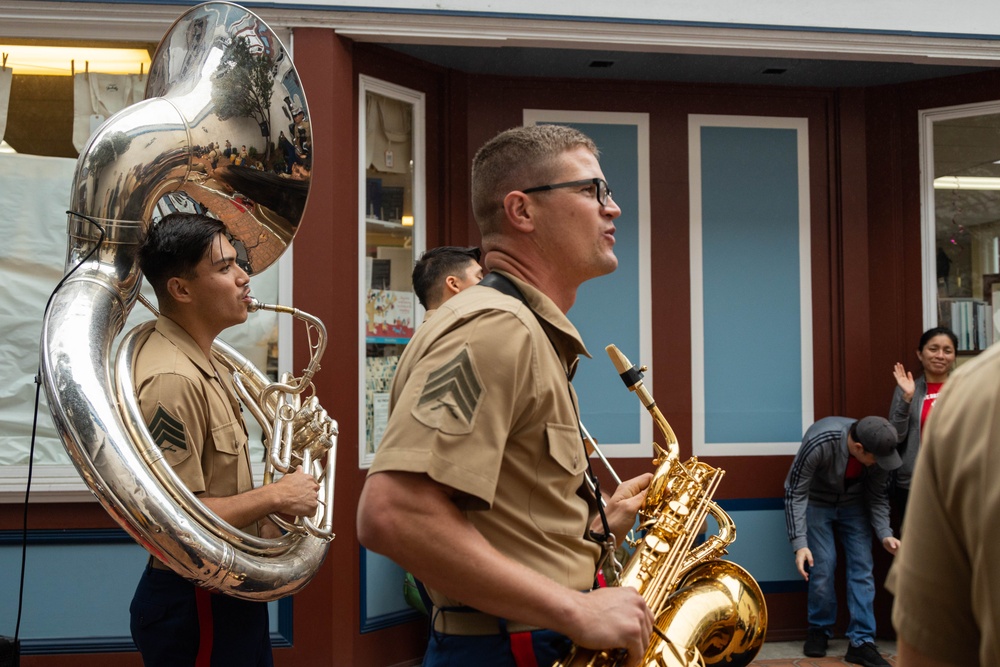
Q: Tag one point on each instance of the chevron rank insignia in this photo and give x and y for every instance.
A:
(450, 396)
(167, 430)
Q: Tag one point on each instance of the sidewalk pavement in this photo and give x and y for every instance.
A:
(789, 654)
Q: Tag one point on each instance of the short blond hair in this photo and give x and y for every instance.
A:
(521, 157)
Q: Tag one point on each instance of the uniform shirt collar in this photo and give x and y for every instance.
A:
(561, 331)
(176, 334)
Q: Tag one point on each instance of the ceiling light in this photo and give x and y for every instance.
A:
(65, 60)
(967, 183)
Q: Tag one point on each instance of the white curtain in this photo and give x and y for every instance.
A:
(6, 76)
(97, 97)
(34, 197)
(388, 126)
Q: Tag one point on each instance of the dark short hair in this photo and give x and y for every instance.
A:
(438, 263)
(173, 247)
(937, 331)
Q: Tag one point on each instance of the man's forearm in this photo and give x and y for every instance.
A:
(433, 540)
(243, 509)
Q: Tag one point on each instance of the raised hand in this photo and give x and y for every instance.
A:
(905, 381)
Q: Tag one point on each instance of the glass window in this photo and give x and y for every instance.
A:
(50, 118)
(391, 202)
(962, 222)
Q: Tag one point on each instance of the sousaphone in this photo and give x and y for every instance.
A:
(219, 73)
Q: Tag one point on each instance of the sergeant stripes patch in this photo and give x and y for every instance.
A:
(457, 381)
(167, 430)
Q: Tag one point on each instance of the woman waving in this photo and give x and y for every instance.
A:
(913, 400)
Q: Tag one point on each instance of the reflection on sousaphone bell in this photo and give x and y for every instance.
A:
(146, 159)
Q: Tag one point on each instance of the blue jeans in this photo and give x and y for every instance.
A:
(850, 524)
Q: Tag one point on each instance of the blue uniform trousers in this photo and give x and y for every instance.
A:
(167, 629)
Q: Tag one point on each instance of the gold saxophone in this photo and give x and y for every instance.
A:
(708, 611)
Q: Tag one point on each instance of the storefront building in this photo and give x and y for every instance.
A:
(796, 211)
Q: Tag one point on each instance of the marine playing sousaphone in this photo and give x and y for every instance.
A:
(219, 74)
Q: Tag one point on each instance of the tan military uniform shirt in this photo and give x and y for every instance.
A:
(191, 410)
(945, 574)
(481, 403)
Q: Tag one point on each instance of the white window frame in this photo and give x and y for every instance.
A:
(367, 84)
(928, 202)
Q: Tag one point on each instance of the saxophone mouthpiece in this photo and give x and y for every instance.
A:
(630, 375)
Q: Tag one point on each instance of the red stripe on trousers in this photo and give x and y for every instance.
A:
(523, 650)
(203, 599)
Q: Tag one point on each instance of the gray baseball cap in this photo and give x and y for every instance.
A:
(878, 436)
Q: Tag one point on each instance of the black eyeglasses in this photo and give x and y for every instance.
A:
(603, 191)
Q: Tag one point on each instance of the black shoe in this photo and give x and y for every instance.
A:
(815, 646)
(866, 655)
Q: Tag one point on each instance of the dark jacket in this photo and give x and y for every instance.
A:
(906, 418)
(817, 476)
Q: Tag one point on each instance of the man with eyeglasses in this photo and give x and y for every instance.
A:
(478, 486)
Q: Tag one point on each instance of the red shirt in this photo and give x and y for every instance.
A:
(932, 393)
(854, 469)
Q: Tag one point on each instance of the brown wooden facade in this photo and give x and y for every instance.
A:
(866, 259)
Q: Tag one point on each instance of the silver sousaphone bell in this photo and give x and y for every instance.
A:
(219, 73)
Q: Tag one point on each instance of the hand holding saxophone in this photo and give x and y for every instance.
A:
(614, 617)
(622, 506)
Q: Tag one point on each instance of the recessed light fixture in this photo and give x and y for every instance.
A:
(967, 183)
(64, 60)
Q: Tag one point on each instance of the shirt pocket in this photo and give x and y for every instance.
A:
(230, 474)
(555, 505)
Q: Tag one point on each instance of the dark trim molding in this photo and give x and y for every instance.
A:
(50, 537)
(110, 644)
(385, 620)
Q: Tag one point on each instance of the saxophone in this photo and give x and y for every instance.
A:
(707, 611)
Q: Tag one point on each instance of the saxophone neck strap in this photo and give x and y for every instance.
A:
(503, 284)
